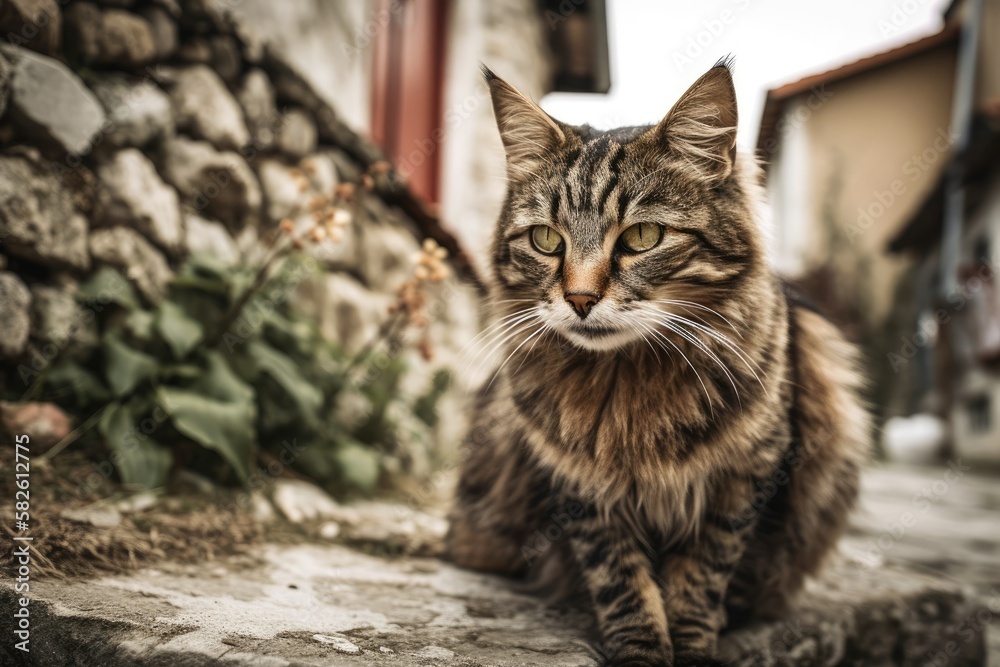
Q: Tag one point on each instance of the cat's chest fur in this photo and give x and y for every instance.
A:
(637, 435)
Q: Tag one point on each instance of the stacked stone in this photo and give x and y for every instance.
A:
(135, 132)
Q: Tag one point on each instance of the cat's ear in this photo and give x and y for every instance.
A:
(701, 128)
(529, 134)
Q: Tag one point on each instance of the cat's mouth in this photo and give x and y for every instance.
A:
(601, 331)
(595, 331)
(597, 337)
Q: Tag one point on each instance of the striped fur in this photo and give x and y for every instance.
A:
(686, 452)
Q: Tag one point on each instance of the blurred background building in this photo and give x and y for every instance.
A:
(862, 164)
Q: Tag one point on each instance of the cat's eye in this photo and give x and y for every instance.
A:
(641, 237)
(546, 240)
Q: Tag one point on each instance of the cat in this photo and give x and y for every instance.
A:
(673, 432)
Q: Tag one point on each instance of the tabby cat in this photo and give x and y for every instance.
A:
(671, 432)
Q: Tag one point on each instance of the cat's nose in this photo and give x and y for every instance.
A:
(582, 302)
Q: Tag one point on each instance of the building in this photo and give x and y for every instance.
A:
(848, 153)
(959, 301)
(857, 163)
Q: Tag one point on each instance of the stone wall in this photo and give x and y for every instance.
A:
(134, 132)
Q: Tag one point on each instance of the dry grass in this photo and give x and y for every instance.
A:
(184, 525)
(193, 521)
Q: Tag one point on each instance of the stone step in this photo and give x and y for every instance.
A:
(330, 605)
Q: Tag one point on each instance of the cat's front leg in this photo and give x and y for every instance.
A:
(696, 576)
(619, 578)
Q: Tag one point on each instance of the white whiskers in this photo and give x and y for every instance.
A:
(692, 332)
(661, 336)
(690, 335)
(485, 346)
(692, 304)
(540, 330)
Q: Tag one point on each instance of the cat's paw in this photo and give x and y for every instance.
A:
(659, 659)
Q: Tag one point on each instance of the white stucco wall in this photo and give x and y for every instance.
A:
(789, 197)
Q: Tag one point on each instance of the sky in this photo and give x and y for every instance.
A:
(660, 47)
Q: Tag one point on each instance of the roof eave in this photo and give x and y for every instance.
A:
(777, 98)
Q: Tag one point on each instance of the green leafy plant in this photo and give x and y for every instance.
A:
(223, 376)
